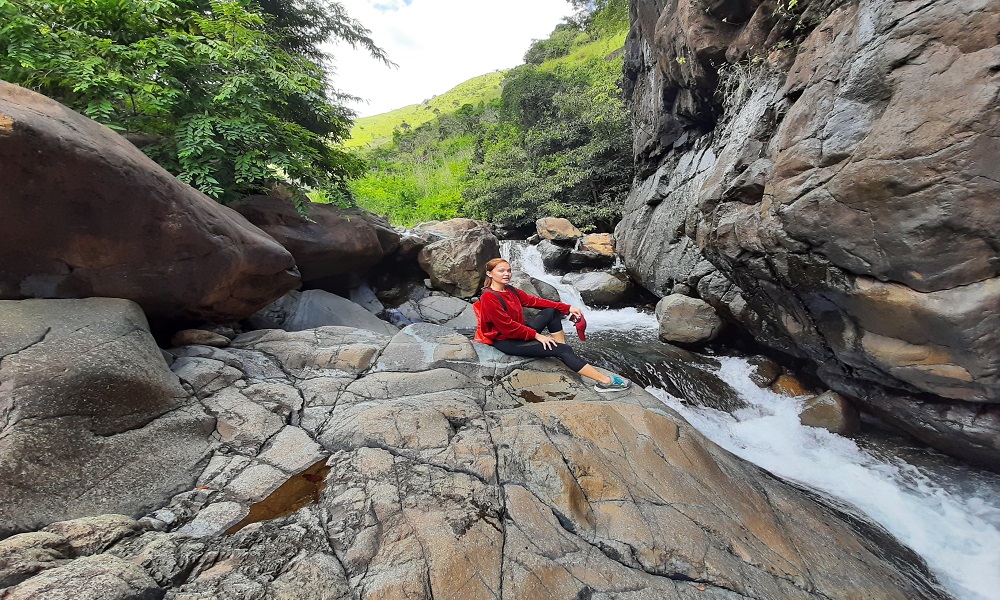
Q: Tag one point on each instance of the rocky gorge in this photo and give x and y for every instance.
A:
(296, 445)
(824, 174)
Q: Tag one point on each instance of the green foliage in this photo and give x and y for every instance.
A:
(554, 140)
(377, 130)
(236, 97)
(419, 176)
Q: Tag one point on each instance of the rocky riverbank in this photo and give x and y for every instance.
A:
(417, 465)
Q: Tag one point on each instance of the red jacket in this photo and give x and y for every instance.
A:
(500, 324)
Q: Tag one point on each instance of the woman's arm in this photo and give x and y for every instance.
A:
(536, 302)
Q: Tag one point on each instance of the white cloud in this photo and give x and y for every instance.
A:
(437, 45)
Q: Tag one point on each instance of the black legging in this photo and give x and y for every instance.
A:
(550, 319)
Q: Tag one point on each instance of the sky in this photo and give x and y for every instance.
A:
(437, 45)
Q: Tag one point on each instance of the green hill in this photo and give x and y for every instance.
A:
(547, 138)
(377, 130)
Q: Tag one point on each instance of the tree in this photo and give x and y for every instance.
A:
(235, 96)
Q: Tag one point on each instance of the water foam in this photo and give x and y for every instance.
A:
(957, 535)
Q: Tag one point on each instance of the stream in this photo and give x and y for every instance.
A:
(945, 511)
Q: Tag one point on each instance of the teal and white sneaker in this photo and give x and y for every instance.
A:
(617, 384)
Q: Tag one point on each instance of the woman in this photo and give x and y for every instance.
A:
(502, 325)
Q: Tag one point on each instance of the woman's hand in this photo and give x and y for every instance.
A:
(575, 312)
(546, 342)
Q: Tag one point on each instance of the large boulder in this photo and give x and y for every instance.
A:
(88, 214)
(93, 420)
(328, 240)
(297, 311)
(839, 201)
(686, 320)
(457, 265)
(557, 229)
(598, 288)
(423, 486)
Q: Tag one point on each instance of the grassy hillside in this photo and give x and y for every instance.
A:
(376, 130)
(549, 136)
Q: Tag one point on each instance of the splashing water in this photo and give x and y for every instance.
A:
(957, 534)
(526, 259)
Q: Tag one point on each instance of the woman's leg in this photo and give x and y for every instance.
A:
(550, 319)
(534, 349)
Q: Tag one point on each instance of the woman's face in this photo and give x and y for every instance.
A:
(500, 273)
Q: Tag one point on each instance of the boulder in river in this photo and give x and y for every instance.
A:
(108, 221)
(557, 229)
(832, 412)
(686, 320)
(599, 288)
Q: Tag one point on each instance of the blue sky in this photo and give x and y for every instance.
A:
(437, 45)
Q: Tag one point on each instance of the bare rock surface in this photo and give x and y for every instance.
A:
(111, 222)
(82, 387)
(824, 177)
(328, 240)
(351, 464)
(557, 229)
(298, 311)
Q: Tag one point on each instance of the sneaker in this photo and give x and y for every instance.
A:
(617, 384)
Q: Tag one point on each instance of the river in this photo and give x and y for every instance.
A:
(947, 512)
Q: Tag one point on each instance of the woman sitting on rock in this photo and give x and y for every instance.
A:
(502, 325)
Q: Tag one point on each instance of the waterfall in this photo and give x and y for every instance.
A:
(946, 512)
(525, 258)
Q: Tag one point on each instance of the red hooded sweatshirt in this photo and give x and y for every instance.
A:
(500, 324)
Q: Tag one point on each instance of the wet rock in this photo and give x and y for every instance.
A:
(554, 258)
(763, 371)
(85, 385)
(686, 320)
(599, 289)
(328, 241)
(557, 229)
(789, 385)
(832, 412)
(111, 222)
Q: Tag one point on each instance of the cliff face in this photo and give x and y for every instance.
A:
(828, 176)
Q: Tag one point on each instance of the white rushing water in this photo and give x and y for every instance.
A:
(957, 534)
(526, 259)
(956, 531)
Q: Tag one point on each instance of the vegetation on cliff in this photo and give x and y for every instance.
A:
(553, 140)
(233, 97)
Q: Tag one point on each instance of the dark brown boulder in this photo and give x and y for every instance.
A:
(330, 241)
(85, 213)
(827, 177)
